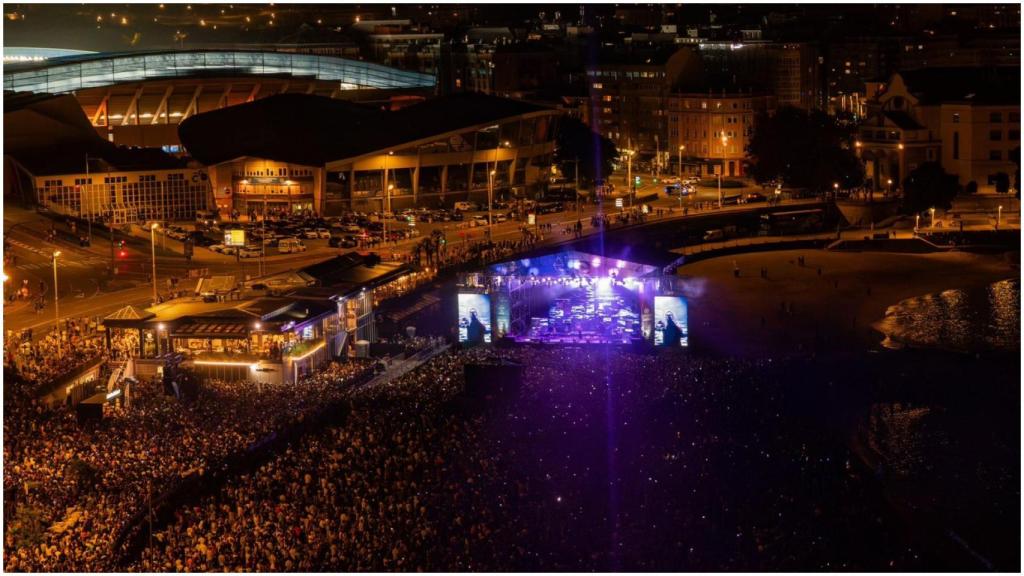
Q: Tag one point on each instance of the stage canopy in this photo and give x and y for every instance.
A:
(572, 263)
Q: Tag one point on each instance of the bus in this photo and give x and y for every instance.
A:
(792, 222)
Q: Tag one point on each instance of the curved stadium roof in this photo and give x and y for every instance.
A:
(76, 72)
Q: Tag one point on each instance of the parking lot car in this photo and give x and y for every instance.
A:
(249, 252)
(217, 247)
(290, 245)
(755, 197)
(479, 221)
(347, 241)
(466, 206)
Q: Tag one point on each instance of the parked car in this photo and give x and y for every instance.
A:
(347, 241)
(219, 248)
(323, 233)
(290, 245)
(755, 197)
(464, 206)
(248, 252)
(499, 218)
(479, 221)
(230, 250)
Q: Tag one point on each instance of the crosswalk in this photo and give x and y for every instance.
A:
(79, 262)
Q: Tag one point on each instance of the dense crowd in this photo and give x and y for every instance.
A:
(607, 460)
(36, 363)
(84, 481)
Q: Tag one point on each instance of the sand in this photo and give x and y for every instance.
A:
(746, 316)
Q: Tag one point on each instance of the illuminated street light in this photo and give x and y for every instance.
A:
(682, 147)
(56, 304)
(999, 221)
(932, 223)
(490, 198)
(152, 255)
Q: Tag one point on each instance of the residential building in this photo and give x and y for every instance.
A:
(968, 119)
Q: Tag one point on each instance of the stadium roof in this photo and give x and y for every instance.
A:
(91, 70)
(313, 130)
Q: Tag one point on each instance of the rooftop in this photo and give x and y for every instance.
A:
(313, 130)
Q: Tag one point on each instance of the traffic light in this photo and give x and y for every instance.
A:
(121, 252)
(636, 180)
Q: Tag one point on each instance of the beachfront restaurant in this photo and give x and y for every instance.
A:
(267, 339)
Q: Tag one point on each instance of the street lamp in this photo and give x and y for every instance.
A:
(917, 223)
(387, 197)
(152, 255)
(932, 223)
(725, 141)
(56, 304)
(682, 147)
(490, 197)
(999, 220)
(629, 174)
(889, 182)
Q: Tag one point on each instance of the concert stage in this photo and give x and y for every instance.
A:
(572, 297)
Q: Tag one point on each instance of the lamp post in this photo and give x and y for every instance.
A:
(56, 303)
(931, 224)
(889, 182)
(152, 255)
(917, 223)
(629, 175)
(725, 141)
(682, 147)
(490, 198)
(387, 195)
(999, 216)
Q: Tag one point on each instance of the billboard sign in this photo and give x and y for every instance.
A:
(234, 237)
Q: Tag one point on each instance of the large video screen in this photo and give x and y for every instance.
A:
(474, 318)
(670, 321)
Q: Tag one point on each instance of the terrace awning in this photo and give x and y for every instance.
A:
(211, 330)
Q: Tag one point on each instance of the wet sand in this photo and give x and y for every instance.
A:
(795, 308)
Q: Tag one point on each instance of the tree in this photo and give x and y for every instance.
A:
(928, 186)
(804, 150)
(595, 153)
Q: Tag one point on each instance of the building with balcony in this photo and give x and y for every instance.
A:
(968, 119)
(296, 152)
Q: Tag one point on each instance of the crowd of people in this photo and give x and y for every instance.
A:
(73, 486)
(606, 460)
(35, 363)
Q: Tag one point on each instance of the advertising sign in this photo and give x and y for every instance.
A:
(234, 237)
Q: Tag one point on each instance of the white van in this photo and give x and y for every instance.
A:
(290, 245)
(465, 206)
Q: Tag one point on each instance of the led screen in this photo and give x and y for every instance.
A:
(670, 321)
(474, 318)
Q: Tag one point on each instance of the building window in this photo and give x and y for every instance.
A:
(995, 135)
(956, 145)
(1013, 135)
(995, 155)
(1014, 116)
(995, 117)
(956, 118)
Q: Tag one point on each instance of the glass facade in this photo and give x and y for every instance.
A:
(72, 73)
